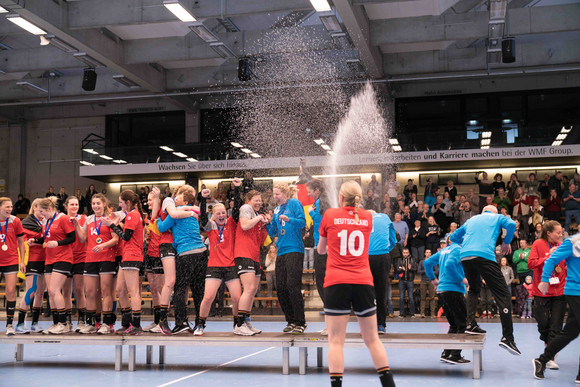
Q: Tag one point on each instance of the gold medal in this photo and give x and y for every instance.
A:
(558, 269)
(4, 247)
(216, 247)
(282, 232)
(99, 241)
(44, 245)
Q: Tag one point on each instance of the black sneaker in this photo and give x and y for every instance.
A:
(181, 328)
(456, 360)
(475, 330)
(578, 378)
(539, 368)
(289, 328)
(444, 356)
(510, 345)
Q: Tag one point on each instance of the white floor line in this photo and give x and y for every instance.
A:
(213, 368)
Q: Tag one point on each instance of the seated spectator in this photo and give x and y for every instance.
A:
(21, 207)
(571, 200)
(502, 200)
(410, 189)
(554, 206)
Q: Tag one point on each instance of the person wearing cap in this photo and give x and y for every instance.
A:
(478, 237)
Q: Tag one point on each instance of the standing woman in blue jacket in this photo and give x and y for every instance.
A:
(288, 222)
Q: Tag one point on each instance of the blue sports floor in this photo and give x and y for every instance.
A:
(70, 366)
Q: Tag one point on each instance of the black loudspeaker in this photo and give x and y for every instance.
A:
(89, 79)
(245, 69)
(508, 50)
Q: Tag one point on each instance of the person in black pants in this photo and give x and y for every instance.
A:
(405, 269)
(190, 269)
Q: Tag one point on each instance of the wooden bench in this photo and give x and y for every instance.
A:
(396, 340)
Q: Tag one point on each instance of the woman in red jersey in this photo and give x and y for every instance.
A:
(100, 266)
(344, 235)
(71, 206)
(128, 276)
(59, 236)
(35, 284)
(11, 241)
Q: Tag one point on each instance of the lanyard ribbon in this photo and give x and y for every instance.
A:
(3, 234)
(49, 224)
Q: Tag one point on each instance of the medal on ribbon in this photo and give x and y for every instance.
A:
(3, 235)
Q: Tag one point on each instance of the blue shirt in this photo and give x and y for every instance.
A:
(383, 237)
(290, 232)
(316, 219)
(451, 272)
(571, 204)
(403, 229)
(478, 235)
(569, 250)
(185, 231)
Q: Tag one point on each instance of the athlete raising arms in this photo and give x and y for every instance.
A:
(344, 235)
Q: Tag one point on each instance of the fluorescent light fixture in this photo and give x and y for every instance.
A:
(486, 141)
(319, 141)
(191, 159)
(473, 122)
(397, 148)
(89, 60)
(506, 121)
(320, 5)
(562, 136)
(222, 50)
(556, 143)
(485, 147)
(119, 161)
(166, 148)
(246, 150)
(203, 32)
(86, 163)
(566, 130)
(91, 151)
(325, 147)
(105, 157)
(330, 22)
(125, 81)
(25, 24)
(58, 43)
(393, 141)
(31, 87)
(3, 10)
(255, 155)
(237, 144)
(331, 153)
(178, 10)
(485, 134)
(179, 154)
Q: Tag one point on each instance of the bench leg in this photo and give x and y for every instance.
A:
(285, 360)
(319, 355)
(476, 364)
(161, 354)
(132, 360)
(302, 360)
(481, 360)
(149, 354)
(118, 357)
(19, 354)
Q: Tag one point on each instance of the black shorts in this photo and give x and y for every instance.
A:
(78, 269)
(64, 268)
(35, 268)
(131, 265)
(9, 269)
(338, 300)
(94, 269)
(247, 265)
(166, 250)
(153, 265)
(225, 274)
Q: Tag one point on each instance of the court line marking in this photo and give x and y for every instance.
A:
(213, 368)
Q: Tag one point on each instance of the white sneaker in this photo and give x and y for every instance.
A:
(104, 329)
(149, 327)
(243, 330)
(35, 328)
(69, 327)
(49, 330)
(60, 329)
(551, 365)
(156, 329)
(249, 325)
(88, 329)
(323, 332)
(9, 330)
(80, 325)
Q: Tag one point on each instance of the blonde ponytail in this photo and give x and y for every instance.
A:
(351, 193)
(356, 206)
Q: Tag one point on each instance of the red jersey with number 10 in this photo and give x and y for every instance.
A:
(348, 246)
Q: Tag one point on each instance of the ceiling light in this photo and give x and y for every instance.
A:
(485, 134)
(319, 141)
(255, 155)
(393, 141)
(485, 147)
(58, 43)
(556, 143)
(203, 32)
(325, 147)
(330, 22)
(179, 154)
(191, 159)
(222, 50)
(105, 157)
(506, 121)
(125, 81)
(246, 150)
(91, 151)
(166, 148)
(486, 141)
(87, 163)
(178, 10)
(3, 10)
(120, 161)
(237, 144)
(473, 122)
(566, 130)
(397, 148)
(25, 24)
(31, 87)
(83, 57)
(320, 5)
(331, 153)
(562, 136)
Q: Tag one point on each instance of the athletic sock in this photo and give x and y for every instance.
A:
(82, 314)
(200, 320)
(336, 379)
(242, 317)
(235, 321)
(90, 315)
(97, 317)
(54, 313)
(62, 316)
(21, 316)
(136, 318)
(386, 377)
(68, 313)
(10, 309)
(108, 318)
(156, 314)
(35, 314)
(126, 317)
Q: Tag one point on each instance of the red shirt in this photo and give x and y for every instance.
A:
(538, 254)
(133, 250)
(36, 253)
(248, 242)
(80, 248)
(60, 227)
(167, 236)
(221, 243)
(11, 230)
(95, 232)
(348, 246)
(154, 242)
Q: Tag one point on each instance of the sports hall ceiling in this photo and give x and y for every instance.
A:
(143, 44)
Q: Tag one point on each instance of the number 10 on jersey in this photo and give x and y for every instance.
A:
(348, 243)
